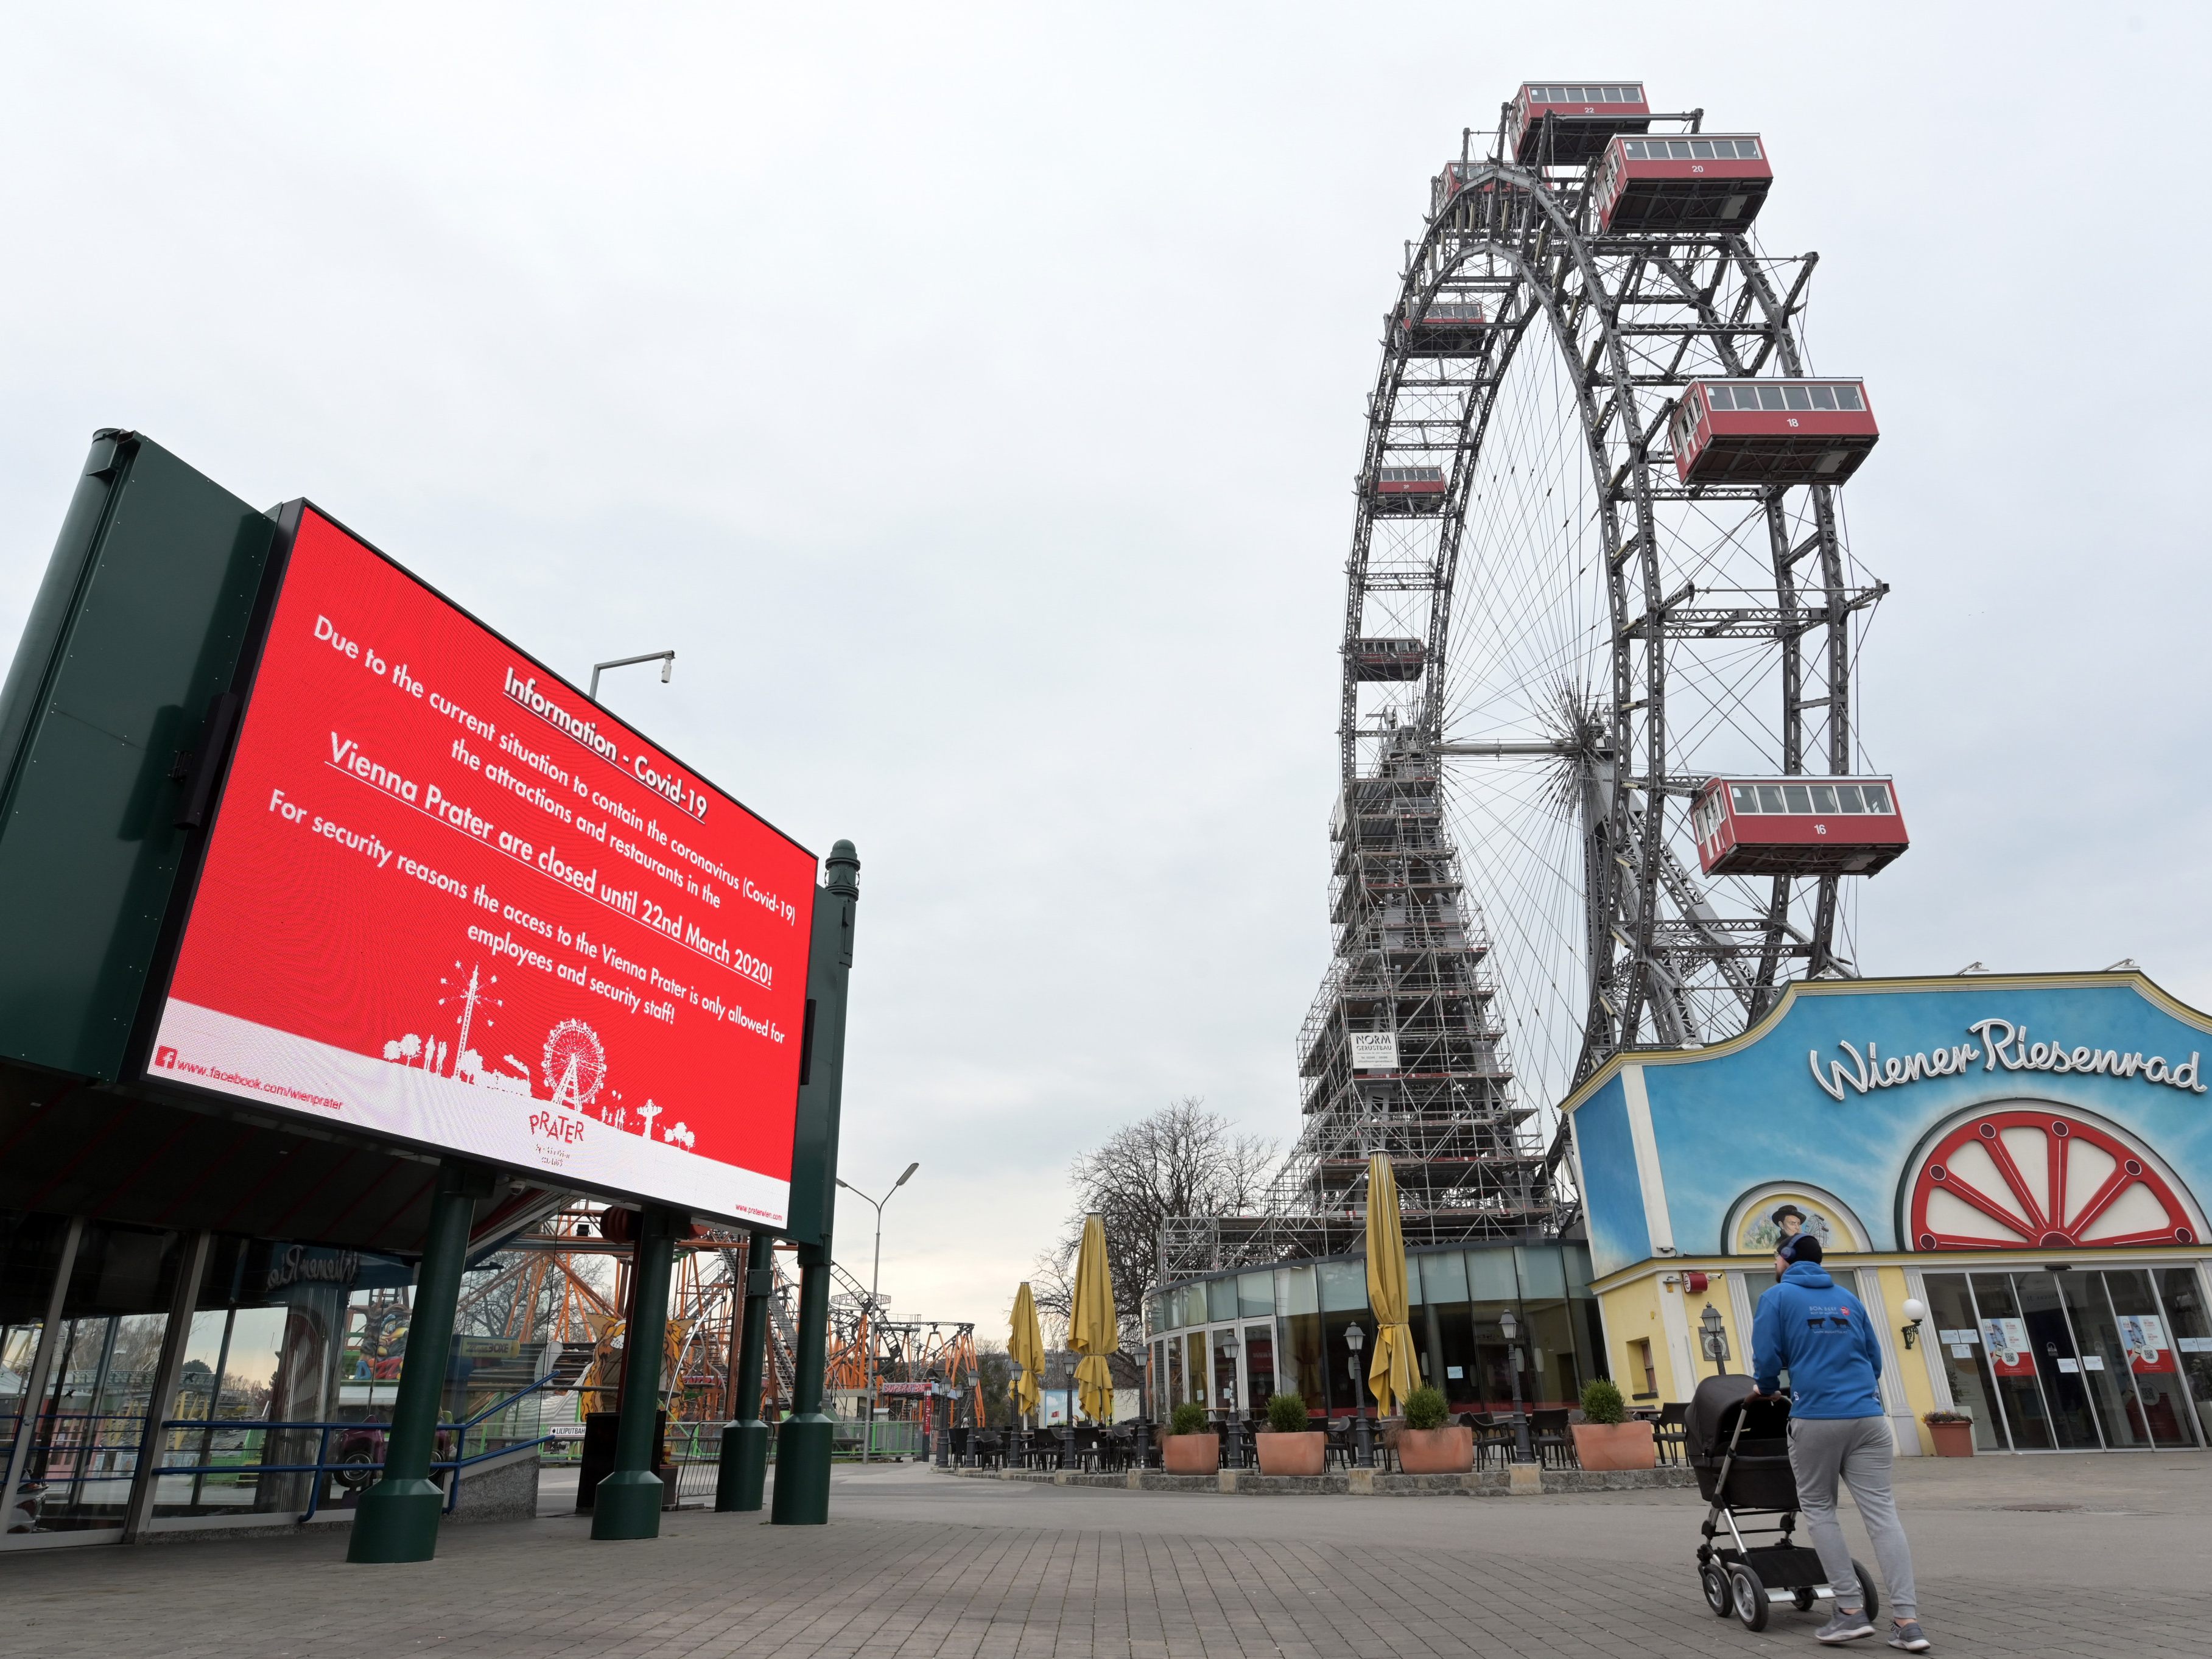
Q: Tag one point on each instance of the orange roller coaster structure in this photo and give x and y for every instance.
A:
(567, 1283)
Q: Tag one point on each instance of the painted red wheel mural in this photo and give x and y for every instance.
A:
(2030, 1179)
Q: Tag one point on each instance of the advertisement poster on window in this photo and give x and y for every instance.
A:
(2144, 1336)
(2006, 1340)
(448, 899)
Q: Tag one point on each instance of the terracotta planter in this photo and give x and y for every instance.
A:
(1435, 1451)
(1614, 1446)
(1190, 1454)
(1952, 1439)
(1291, 1454)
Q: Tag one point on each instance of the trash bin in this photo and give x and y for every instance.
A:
(598, 1457)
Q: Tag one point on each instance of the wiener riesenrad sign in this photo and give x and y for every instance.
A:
(448, 899)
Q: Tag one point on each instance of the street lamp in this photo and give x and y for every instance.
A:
(1510, 1327)
(1716, 1337)
(1356, 1338)
(666, 659)
(875, 1277)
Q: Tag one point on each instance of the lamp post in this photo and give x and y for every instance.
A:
(666, 659)
(1716, 1338)
(1234, 1443)
(875, 1277)
(1511, 1328)
(1363, 1437)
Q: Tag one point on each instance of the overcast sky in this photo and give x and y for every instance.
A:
(970, 397)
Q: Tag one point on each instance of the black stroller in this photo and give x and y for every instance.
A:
(1740, 1448)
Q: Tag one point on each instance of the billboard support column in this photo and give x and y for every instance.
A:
(397, 1519)
(804, 1442)
(626, 1504)
(744, 1474)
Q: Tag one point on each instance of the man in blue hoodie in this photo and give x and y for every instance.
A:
(1810, 1327)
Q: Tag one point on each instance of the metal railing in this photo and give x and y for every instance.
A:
(322, 1466)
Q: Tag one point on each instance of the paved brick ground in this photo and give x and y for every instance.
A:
(2046, 1556)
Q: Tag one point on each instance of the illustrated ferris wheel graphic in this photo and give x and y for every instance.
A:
(575, 1064)
(1602, 623)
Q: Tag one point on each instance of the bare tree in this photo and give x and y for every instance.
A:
(1181, 1160)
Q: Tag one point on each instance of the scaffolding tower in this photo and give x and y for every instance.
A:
(1400, 1055)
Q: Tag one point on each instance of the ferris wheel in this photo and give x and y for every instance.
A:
(1600, 603)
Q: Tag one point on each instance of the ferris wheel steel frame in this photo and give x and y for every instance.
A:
(1586, 290)
(1534, 294)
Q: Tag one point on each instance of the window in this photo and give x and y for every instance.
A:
(1797, 397)
(1718, 396)
(1702, 148)
(1847, 397)
(1770, 799)
(1679, 148)
(1800, 798)
(1824, 396)
(1745, 800)
(1848, 793)
(1747, 149)
(1769, 397)
(1639, 1356)
(1824, 798)
(1876, 798)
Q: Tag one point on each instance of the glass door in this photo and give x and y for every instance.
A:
(2181, 1297)
(2014, 1377)
(2103, 1363)
(1259, 1361)
(1225, 1358)
(2050, 1341)
(1957, 1337)
(2149, 1359)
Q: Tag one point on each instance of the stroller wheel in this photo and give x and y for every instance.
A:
(1804, 1600)
(1717, 1589)
(1748, 1595)
(1867, 1589)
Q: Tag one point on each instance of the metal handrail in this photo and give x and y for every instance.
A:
(322, 1463)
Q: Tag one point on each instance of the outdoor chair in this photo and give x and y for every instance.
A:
(1494, 1436)
(1670, 1433)
(1547, 1429)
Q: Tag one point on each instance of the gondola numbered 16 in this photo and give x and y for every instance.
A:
(1797, 826)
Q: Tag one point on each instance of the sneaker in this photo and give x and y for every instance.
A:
(1907, 1634)
(1843, 1627)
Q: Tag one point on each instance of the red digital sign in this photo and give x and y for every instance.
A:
(447, 898)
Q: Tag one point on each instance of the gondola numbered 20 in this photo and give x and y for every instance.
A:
(1798, 825)
(1739, 1446)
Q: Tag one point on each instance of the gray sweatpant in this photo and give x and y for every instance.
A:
(1861, 1451)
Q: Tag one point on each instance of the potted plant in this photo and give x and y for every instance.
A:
(1952, 1431)
(1290, 1444)
(1426, 1444)
(1606, 1439)
(1190, 1446)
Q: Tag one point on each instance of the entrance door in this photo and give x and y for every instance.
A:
(2050, 1341)
(2150, 1359)
(1225, 1358)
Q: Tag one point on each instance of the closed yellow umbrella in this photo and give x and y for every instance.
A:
(1092, 1328)
(1025, 1347)
(1394, 1372)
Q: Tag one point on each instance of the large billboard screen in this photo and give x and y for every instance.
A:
(447, 899)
